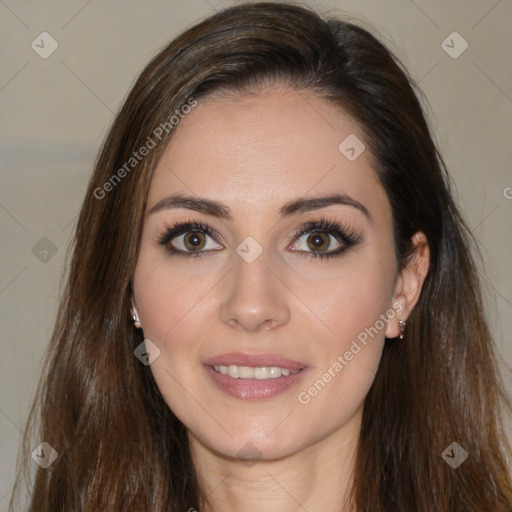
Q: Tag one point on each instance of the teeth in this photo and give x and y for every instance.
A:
(249, 372)
(274, 372)
(233, 371)
(262, 373)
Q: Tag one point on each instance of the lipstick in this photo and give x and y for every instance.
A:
(273, 374)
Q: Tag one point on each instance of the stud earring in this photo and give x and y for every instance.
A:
(401, 327)
(136, 320)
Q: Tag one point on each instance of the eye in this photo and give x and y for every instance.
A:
(188, 239)
(325, 239)
(319, 241)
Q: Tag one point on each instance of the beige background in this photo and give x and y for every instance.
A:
(56, 111)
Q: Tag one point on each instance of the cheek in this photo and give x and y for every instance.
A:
(171, 308)
(353, 312)
(351, 349)
(352, 301)
(166, 299)
(355, 307)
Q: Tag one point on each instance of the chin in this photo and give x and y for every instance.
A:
(251, 443)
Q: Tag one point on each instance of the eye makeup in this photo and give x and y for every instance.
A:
(347, 237)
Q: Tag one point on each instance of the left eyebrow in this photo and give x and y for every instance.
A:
(305, 205)
(216, 209)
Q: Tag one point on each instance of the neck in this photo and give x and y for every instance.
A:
(317, 477)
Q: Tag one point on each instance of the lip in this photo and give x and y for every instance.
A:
(254, 389)
(254, 360)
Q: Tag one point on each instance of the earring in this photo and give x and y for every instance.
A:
(401, 327)
(136, 320)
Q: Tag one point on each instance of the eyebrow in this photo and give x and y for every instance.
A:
(216, 209)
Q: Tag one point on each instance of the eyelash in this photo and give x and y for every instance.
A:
(348, 237)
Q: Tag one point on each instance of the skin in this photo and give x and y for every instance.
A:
(254, 153)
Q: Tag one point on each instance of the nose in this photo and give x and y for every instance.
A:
(255, 297)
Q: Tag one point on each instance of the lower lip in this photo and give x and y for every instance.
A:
(254, 389)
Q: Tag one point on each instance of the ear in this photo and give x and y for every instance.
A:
(409, 283)
(135, 314)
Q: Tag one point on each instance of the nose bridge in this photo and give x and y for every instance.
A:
(254, 296)
(251, 274)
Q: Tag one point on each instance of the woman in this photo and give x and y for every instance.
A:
(271, 302)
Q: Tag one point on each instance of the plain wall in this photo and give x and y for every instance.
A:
(56, 111)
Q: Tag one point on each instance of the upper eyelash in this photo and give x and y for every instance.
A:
(349, 237)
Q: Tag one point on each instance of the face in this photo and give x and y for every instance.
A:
(251, 278)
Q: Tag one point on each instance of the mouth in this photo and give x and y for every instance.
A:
(254, 377)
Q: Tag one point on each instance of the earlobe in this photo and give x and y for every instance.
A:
(408, 285)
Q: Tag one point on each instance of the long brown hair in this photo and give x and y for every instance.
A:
(119, 445)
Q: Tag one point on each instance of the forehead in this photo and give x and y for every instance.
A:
(264, 149)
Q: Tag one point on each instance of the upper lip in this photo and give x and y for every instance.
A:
(254, 360)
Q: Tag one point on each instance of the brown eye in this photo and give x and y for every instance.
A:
(189, 239)
(194, 240)
(324, 239)
(318, 240)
